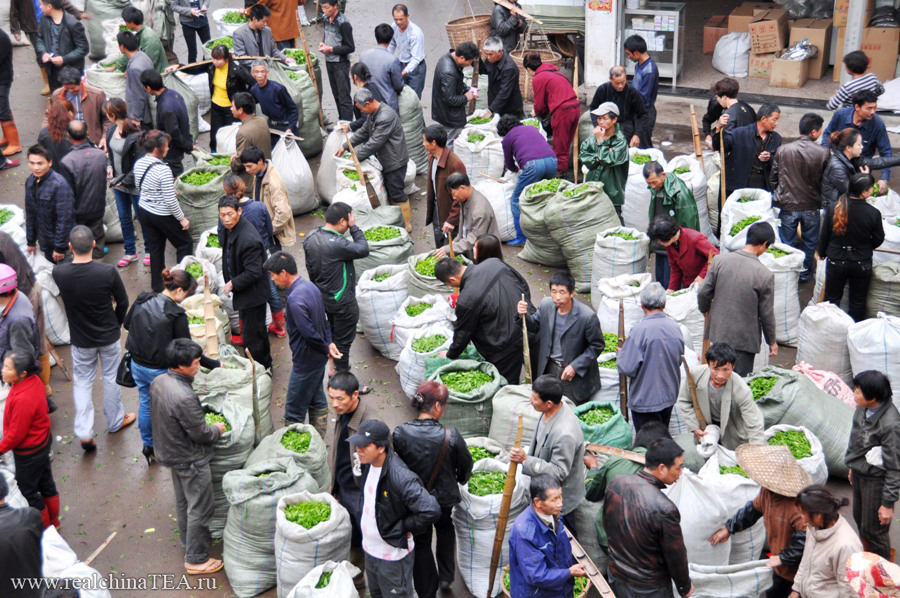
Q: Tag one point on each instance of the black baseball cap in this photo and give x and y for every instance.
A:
(371, 431)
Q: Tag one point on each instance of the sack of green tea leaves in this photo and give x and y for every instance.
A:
(230, 453)
(540, 248)
(100, 11)
(224, 27)
(198, 191)
(617, 250)
(253, 493)
(786, 263)
(805, 446)
(682, 307)
(475, 519)
(289, 162)
(609, 379)
(481, 152)
(413, 121)
(425, 342)
(477, 121)
(379, 293)
(326, 175)
(234, 382)
(499, 195)
(603, 423)
(688, 169)
(300, 86)
(636, 209)
(575, 216)
(874, 344)
(752, 578)
(626, 287)
(533, 121)
(420, 276)
(508, 404)
(210, 249)
(111, 83)
(201, 269)
(196, 315)
(412, 316)
(884, 290)
(472, 385)
(356, 197)
(12, 222)
(301, 443)
(328, 580)
(175, 82)
(310, 530)
(702, 514)
(226, 139)
(388, 245)
(346, 175)
(823, 339)
(482, 447)
(743, 208)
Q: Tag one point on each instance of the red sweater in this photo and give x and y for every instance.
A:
(688, 258)
(26, 421)
(551, 90)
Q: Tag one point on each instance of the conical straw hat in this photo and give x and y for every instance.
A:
(774, 468)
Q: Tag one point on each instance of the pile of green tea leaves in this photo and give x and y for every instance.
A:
(776, 252)
(427, 344)
(610, 342)
(293, 75)
(677, 293)
(746, 199)
(222, 41)
(213, 241)
(235, 17)
(581, 584)
(425, 266)
(795, 440)
(532, 122)
(5, 215)
(465, 381)
(308, 514)
(876, 190)
(481, 120)
(682, 170)
(324, 580)
(479, 453)
(414, 310)
(597, 416)
(195, 270)
(110, 65)
(634, 284)
(744, 223)
(382, 277)
(626, 236)
(609, 365)
(195, 321)
(198, 179)
(220, 161)
(382, 233)
(483, 483)
(576, 190)
(641, 159)
(475, 137)
(351, 174)
(548, 186)
(297, 441)
(299, 56)
(733, 469)
(215, 418)
(762, 386)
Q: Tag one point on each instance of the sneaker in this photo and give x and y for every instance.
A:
(146, 260)
(126, 260)
(9, 164)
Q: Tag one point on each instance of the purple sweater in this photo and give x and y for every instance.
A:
(524, 144)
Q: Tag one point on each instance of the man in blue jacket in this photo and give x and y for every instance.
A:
(49, 206)
(540, 555)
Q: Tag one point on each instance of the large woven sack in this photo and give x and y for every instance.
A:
(56, 323)
(575, 217)
(314, 460)
(111, 225)
(499, 195)
(194, 308)
(224, 28)
(614, 256)
(288, 160)
(821, 269)
(213, 255)
(626, 287)
(199, 84)
(249, 548)
(829, 382)
(636, 209)
(682, 307)
(508, 404)
(100, 11)
(786, 270)
(702, 514)
(540, 248)
(482, 159)
(731, 55)
(884, 290)
(823, 339)
(615, 432)
(326, 175)
(411, 364)
(385, 253)
(378, 302)
(356, 197)
(696, 181)
(339, 584)
(609, 379)
(475, 519)
(304, 95)
(59, 561)
(15, 223)
(413, 121)
(226, 139)
(371, 168)
(111, 83)
(814, 465)
(796, 401)
(382, 216)
(299, 550)
(891, 241)
(175, 82)
(492, 446)
(200, 203)
(731, 581)
(584, 518)
(421, 285)
(736, 210)
(403, 324)
(470, 412)
(713, 174)
(874, 344)
(216, 280)
(230, 453)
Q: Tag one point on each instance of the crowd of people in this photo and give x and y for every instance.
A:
(400, 486)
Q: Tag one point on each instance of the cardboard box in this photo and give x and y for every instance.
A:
(768, 31)
(788, 73)
(841, 8)
(761, 65)
(739, 18)
(818, 32)
(714, 29)
(881, 45)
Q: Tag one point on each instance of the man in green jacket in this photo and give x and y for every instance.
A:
(148, 40)
(605, 154)
(669, 195)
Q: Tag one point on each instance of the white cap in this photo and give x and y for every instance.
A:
(606, 108)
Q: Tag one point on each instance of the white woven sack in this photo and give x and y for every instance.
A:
(15, 225)
(614, 256)
(378, 301)
(533, 121)
(484, 159)
(229, 453)
(508, 404)
(314, 460)
(821, 269)
(403, 325)
(475, 520)
(223, 27)
(499, 195)
(409, 179)
(609, 380)
(357, 198)
(56, 323)
(681, 306)
(734, 211)
(213, 255)
(490, 445)
(200, 86)
(731, 55)
(490, 127)
(288, 160)
(14, 497)
(731, 581)
(216, 279)
(711, 162)
(411, 365)
(58, 560)
(884, 290)
(815, 465)
(702, 514)
(636, 209)
(226, 139)
(326, 173)
(874, 344)
(891, 241)
(697, 182)
(339, 585)
(299, 550)
(786, 270)
(371, 167)
(823, 339)
(888, 205)
(677, 425)
(620, 287)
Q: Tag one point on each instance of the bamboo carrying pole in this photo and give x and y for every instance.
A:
(503, 515)
(623, 379)
(575, 145)
(580, 555)
(471, 107)
(209, 317)
(516, 10)
(526, 350)
(722, 197)
(312, 75)
(616, 452)
(698, 145)
(450, 245)
(692, 387)
(373, 197)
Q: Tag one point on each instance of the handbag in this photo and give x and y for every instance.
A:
(124, 376)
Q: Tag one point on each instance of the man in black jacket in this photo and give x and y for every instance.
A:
(85, 169)
(246, 278)
(171, 117)
(507, 25)
(20, 545)
(633, 117)
(61, 41)
(395, 506)
(451, 94)
(750, 150)
(504, 95)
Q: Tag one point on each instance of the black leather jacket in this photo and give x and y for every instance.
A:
(419, 444)
(402, 505)
(839, 169)
(152, 322)
(449, 102)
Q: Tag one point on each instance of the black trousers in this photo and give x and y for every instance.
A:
(5, 112)
(190, 39)
(639, 419)
(34, 476)
(510, 367)
(158, 230)
(426, 576)
(342, 319)
(255, 335)
(781, 587)
(744, 364)
(867, 492)
(859, 275)
(96, 226)
(219, 116)
(339, 79)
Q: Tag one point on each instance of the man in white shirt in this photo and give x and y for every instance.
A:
(410, 41)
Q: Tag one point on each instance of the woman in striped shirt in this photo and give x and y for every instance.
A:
(160, 215)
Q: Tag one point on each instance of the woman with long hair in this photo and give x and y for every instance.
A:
(487, 246)
(123, 149)
(55, 136)
(847, 160)
(830, 541)
(361, 77)
(851, 233)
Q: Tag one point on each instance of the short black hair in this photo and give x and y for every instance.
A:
(57, 4)
(152, 79)
(467, 50)
(759, 233)
(445, 268)
(436, 134)
(726, 88)
(721, 354)
(336, 212)
(652, 167)
(507, 123)
(39, 150)
(540, 484)
(330, 2)
(457, 180)
(281, 261)
(244, 100)
(345, 382)
(384, 33)
(874, 386)
(252, 155)
(864, 96)
(662, 228)
(857, 62)
(132, 14)
(221, 52)
(532, 61)
(77, 130)
(649, 433)
(400, 8)
(154, 139)
(662, 452)
(258, 12)
(767, 109)
(549, 388)
(127, 40)
(229, 201)
(860, 183)
(810, 122)
(69, 75)
(564, 279)
(81, 239)
(636, 43)
(181, 352)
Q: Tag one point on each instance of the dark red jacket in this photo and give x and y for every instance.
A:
(551, 90)
(689, 258)
(26, 421)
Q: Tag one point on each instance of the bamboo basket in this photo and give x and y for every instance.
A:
(548, 56)
(474, 28)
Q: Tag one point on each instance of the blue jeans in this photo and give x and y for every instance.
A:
(124, 203)
(143, 376)
(532, 172)
(416, 79)
(303, 393)
(662, 269)
(809, 228)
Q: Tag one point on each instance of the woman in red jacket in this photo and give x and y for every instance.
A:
(688, 251)
(26, 432)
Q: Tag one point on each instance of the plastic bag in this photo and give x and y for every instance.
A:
(99, 12)
(470, 412)
(489, 127)
(508, 404)
(636, 209)
(735, 210)
(614, 256)
(378, 301)
(288, 160)
(732, 55)
(891, 241)
(829, 382)
(224, 28)
(216, 281)
(226, 139)
(59, 561)
(731, 581)
(371, 168)
(314, 460)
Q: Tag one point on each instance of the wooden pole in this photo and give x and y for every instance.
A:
(450, 244)
(722, 197)
(695, 131)
(692, 387)
(517, 11)
(312, 75)
(100, 548)
(503, 515)
(373, 197)
(58, 360)
(623, 379)
(615, 452)
(209, 317)
(593, 574)
(575, 144)
(706, 342)
(526, 350)
(471, 108)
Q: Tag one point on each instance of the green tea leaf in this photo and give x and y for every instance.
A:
(744, 223)
(214, 418)
(734, 469)
(597, 416)
(219, 161)
(479, 121)
(324, 580)
(297, 441)
(234, 17)
(576, 190)
(682, 170)
(465, 381)
(641, 159)
(475, 137)
(478, 453)
(626, 236)
(5, 215)
(483, 483)
(427, 344)
(195, 321)
(548, 186)
(308, 514)
(609, 365)
(198, 179)
(195, 269)
(213, 241)
(762, 386)
(795, 440)
(222, 41)
(382, 233)
(351, 174)
(610, 342)
(382, 277)
(425, 266)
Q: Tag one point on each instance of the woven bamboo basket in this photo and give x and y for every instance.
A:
(474, 28)
(548, 56)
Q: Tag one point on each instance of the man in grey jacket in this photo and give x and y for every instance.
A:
(744, 293)
(184, 442)
(386, 71)
(476, 216)
(85, 169)
(135, 94)
(255, 38)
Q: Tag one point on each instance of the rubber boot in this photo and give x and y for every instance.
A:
(46, 89)
(45, 517)
(277, 327)
(12, 135)
(52, 506)
(407, 215)
(318, 419)
(238, 339)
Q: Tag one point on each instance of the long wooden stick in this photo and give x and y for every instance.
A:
(312, 75)
(623, 379)
(526, 350)
(503, 515)
(209, 317)
(100, 548)
(373, 197)
(472, 102)
(517, 11)
(450, 243)
(59, 361)
(575, 145)
(580, 555)
(722, 197)
(695, 131)
(283, 134)
(706, 341)
(616, 452)
(692, 387)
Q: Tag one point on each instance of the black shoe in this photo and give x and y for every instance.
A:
(445, 586)
(89, 446)
(51, 406)
(147, 451)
